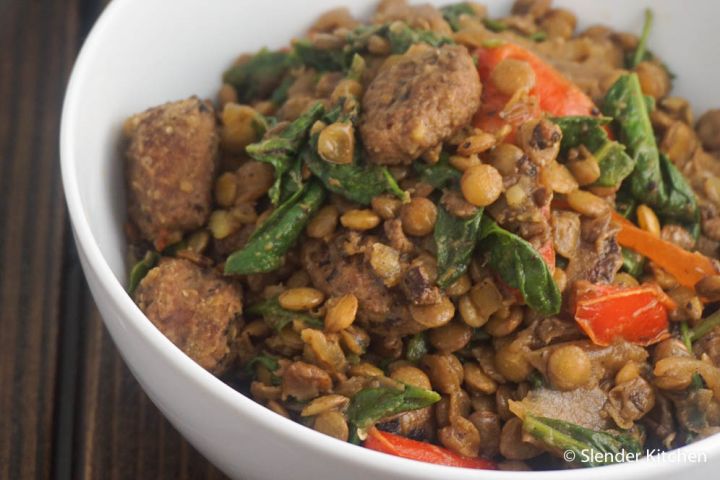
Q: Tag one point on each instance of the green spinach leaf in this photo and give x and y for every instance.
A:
(438, 174)
(455, 239)
(614, 163)
(280, 150)
(591, 448)
(520, 266)
(266, 249)
(372, 404)
(258, 77)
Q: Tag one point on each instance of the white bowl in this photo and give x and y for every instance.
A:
(145, 52)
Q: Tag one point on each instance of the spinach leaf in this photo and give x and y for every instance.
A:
(626, 104)
(372, 404)
(592, 448)
(614, 163)
(266, 249)
(520, 266)
(680, 203)
(277, 317)
(140, 269)
(416, 347)
(438, 174)
(655, 181)
(451, 13)
(258, 77)
(633, 262)
(455, 239)
(582, 130)
(400, 36)
(280, 150)
(280, 94)
(358, 182)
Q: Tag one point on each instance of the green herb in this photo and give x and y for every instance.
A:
(416, 347)
(614, 163)
(641, 51)
(438, 174)
(258, 77)
(591, 448)
(280, 150)
(372, 404)
(451, 13)
(705, 326)
(278, 318)
(455, 239)
(633, 262)
(268, 245)
(520, 266)
(140, 269)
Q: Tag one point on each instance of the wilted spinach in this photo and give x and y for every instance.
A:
(281, 149)
(268, 245)
(520, 266)
(591, 448)
(258, 77)
(372, 404)
(455, 239)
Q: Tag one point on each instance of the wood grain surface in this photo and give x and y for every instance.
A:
(69, 408)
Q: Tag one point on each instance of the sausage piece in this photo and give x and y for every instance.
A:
(171, 162)
(197, 309)
(417, 102)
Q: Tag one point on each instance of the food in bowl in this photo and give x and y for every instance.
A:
(470, 241)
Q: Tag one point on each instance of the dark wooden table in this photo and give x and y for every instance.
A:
(69, 408)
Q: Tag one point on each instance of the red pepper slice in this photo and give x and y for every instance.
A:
(557, 96)
(636, 314)
(421, 451)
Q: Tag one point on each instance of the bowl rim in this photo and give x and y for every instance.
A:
(200, 378)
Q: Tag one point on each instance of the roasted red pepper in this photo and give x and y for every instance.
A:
(688, 268)
(421, 451)
(556, 95)
(636, 314)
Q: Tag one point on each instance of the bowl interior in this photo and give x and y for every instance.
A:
(133, 61)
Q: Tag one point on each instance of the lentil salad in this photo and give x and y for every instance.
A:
(466, 240)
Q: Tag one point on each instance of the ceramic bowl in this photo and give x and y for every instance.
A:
(145, 52)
